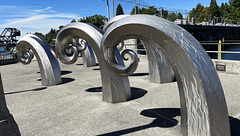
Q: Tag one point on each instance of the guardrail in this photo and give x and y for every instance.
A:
(7, 55)
(219, 52)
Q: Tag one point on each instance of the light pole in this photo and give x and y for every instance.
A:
(113, 7)
(108, 11)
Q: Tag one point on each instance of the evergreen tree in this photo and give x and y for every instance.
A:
(179, 16)
(137, 9)
(97, 20)
(172, 16)
(150, 10)
(73, 21)
(214, 9)
(234, 10)
(165, 14)
(119, 10)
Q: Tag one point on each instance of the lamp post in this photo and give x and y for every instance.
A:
(108, 10)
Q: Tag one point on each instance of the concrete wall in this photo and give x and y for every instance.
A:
(228, 66)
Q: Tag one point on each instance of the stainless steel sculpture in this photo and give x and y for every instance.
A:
(86, 51)
(115, 89)
(49, 67)
(8, 126)
(203, 105)
(160, 70)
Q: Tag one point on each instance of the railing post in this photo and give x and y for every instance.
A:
(219, 50)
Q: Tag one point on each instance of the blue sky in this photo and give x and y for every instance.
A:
(42, 15)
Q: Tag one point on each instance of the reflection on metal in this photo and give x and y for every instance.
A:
(86, 51)
(8, 126)
(115, 89)
(49, 67)
(203, 105)
(159, 68)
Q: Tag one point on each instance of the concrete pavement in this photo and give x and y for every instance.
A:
(75, 108)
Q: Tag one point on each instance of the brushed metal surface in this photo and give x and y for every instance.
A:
(8, 126)
(48, 64)
(160, 70)
(115, 88)
(86, 52)
(203, 105)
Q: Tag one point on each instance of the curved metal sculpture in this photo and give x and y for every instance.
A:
(203, 105)
(86, 51)
(115, 89)
(8, 126)
(49, 67)
(160, 70)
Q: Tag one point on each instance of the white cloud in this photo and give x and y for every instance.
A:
(35, 20)
(46, 9)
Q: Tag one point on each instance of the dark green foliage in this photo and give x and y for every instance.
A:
(214, 9)
(119, 10)
(73, 21)
(137, 10)
(227, 11)
(165, 14)
(150, 10)
(172, 16)
(97, 20)
(179, 16)
(51, 35)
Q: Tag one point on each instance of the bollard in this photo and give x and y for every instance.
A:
(219, 50)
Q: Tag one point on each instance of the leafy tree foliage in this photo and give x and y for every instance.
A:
(225, 11)
(97, 20)
(179, 16)
(119, 10)
(73, 21)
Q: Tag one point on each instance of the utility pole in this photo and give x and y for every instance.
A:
(138, 6)
(135, 7)
(113, 7)
(108, 11)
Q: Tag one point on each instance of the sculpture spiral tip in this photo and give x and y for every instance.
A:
(26, 57)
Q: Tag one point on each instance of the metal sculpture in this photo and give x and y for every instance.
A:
(115, 89)
(8, 126)
(160, 70)
(86, 52)
(49, 67)
(203, 105)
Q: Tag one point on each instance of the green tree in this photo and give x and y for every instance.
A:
(179, 16)
(137, 9)
(73, 21)
(172, 16)
(119, 10)
(234, 10)
(150, 10)
(97, 20)
(40, 34)
(214, 9)
(50, 36)
(165, 14)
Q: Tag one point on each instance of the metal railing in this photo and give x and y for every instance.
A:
(7, 55)
(219, 51)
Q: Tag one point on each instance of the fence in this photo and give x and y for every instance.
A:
(219, 51)
(7, 55)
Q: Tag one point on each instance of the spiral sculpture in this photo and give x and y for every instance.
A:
(203, 106)
(8, 126)
(86, 51)
(115, 88)
(159, 68)
(49, 67)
